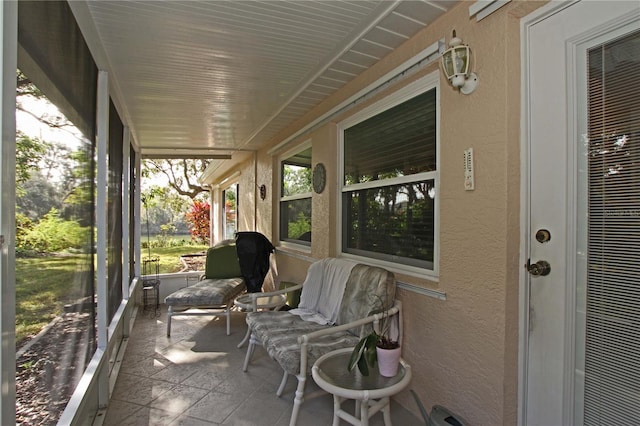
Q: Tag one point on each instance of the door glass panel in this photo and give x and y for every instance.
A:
(612, 351)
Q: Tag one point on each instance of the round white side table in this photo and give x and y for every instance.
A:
(371, 392)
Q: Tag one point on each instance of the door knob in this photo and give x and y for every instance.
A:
(538, 269)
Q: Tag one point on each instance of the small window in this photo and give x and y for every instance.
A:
(390, 181)
(230, 212)
(295, 198)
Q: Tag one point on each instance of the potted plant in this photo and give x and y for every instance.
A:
(377, 347)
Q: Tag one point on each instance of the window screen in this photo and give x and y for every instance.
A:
(398, 142)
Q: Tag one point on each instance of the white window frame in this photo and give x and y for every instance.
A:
(298, 148)
(418, 87)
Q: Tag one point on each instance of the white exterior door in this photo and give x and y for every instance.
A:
(581, 320)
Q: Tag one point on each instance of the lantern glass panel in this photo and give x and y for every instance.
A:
(461, 59)
(447, 63)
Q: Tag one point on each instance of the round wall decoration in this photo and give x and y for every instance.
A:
(319, 178)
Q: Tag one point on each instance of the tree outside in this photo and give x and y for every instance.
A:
(172, 203)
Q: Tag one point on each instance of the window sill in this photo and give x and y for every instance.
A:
(298, 251)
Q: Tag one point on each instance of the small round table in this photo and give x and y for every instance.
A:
(245, 303)
(370, 392)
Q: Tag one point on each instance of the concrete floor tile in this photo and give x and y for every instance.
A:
(119, 411)
(216, 406)
(148, 416)
(139, 390)
(191, 421)
(195, 378)
(178, 399)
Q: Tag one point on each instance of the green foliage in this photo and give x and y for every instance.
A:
(167, 230)
(166, 240)
(163, 208)
(29, 151)
(38, 198)
(300, 226)
(198, 218)
(80, 186)
(296, 180)
(364, 354)
(395, 219)
(24, 226)
(50, 234)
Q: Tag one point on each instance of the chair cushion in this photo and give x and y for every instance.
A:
(209, 292)
(222, 262)
(367, 289)
(279, 331)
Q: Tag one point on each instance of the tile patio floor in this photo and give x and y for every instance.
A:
(195, 378)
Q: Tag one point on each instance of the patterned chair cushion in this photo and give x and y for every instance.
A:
(209, 292)
(279, 331)
(367, 289)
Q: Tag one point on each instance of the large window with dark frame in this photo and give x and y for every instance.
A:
(390, 178)
(295, 198)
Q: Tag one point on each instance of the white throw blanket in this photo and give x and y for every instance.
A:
(323, 289)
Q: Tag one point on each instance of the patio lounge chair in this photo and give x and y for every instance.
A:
(347, 294)
(214, 294)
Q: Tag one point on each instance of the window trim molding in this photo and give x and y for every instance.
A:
(411, 90)
(291, 244)
(391, 181)
(300, 196)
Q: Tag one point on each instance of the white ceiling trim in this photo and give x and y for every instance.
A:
(332, 60)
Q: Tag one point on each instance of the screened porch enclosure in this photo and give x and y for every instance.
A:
(57, 63)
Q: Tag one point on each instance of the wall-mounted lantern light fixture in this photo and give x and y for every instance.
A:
(456, 64)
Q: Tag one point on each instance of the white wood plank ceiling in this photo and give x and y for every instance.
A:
(217, 77)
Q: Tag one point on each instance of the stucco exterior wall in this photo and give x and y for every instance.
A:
(464, 350)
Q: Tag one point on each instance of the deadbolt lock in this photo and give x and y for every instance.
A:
(538, 269)
(543, 235)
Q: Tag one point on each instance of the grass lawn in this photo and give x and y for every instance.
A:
(45, 284)
(170, 256)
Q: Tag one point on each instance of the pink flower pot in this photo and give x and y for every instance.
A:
(388, 360)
